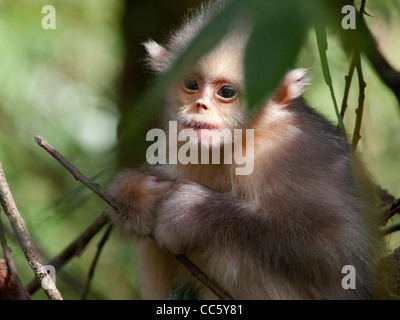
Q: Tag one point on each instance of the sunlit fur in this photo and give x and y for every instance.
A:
(283, 232)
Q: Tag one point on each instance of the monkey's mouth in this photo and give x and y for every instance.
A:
(198, 125)
(200, 131)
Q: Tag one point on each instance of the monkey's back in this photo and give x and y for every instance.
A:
(318, 203)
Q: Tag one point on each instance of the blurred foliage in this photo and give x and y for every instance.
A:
(63, 84)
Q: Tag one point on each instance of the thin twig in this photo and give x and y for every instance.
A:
(385, 71)
(390, 205)
(203, 278)
(362, 7)
(195, 271)
(348, 79)
(24, 239)
(100, 246)
(395, 208)
(11, 265)
(361, 98)
(361, 87)
(391, 229)
(76, 173)
(74, 248)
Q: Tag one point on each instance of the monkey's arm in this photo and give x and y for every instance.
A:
(198, 219)
(180, 216)
(196, 216)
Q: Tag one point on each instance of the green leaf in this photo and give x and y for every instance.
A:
(279, 32)
(322, 48)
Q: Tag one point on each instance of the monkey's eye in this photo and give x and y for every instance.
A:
(191, 84)
(227, 92)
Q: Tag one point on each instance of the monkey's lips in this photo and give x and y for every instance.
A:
(200, 130)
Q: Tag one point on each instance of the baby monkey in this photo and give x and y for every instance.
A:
(286, 230)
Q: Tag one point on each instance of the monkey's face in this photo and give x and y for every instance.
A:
(210, 99)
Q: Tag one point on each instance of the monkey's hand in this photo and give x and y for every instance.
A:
(197, 218)
(137, 195)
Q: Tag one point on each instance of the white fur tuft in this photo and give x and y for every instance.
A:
(292, 85)
(157, 55)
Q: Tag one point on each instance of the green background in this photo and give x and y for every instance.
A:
(65, 85)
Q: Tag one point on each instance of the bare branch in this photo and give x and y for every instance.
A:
(391, 229)
(194, 270)
(386, 72)
(24, 239)
(17, 284)
(73, 249)
(395, 208)
(390, 205)
(100, 246)
(361, 98)
(348, 79)
(76, 173)
(203, 278)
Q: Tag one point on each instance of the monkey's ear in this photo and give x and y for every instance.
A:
(292, 86)
(157, 55)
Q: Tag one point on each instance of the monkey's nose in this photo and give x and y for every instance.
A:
(201, 105)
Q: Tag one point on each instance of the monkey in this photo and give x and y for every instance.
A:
(285, 231)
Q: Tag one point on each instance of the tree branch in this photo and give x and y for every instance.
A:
(361, 98)
(390, 205)
(14, 282)
(100, 246)
(391, 229)
(74, 248)
(386, 72)
(203, 278)
(24, 239)
(76, 173)
(194, 270)
(348, 79)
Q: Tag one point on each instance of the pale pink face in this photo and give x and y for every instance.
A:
(210, 98)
